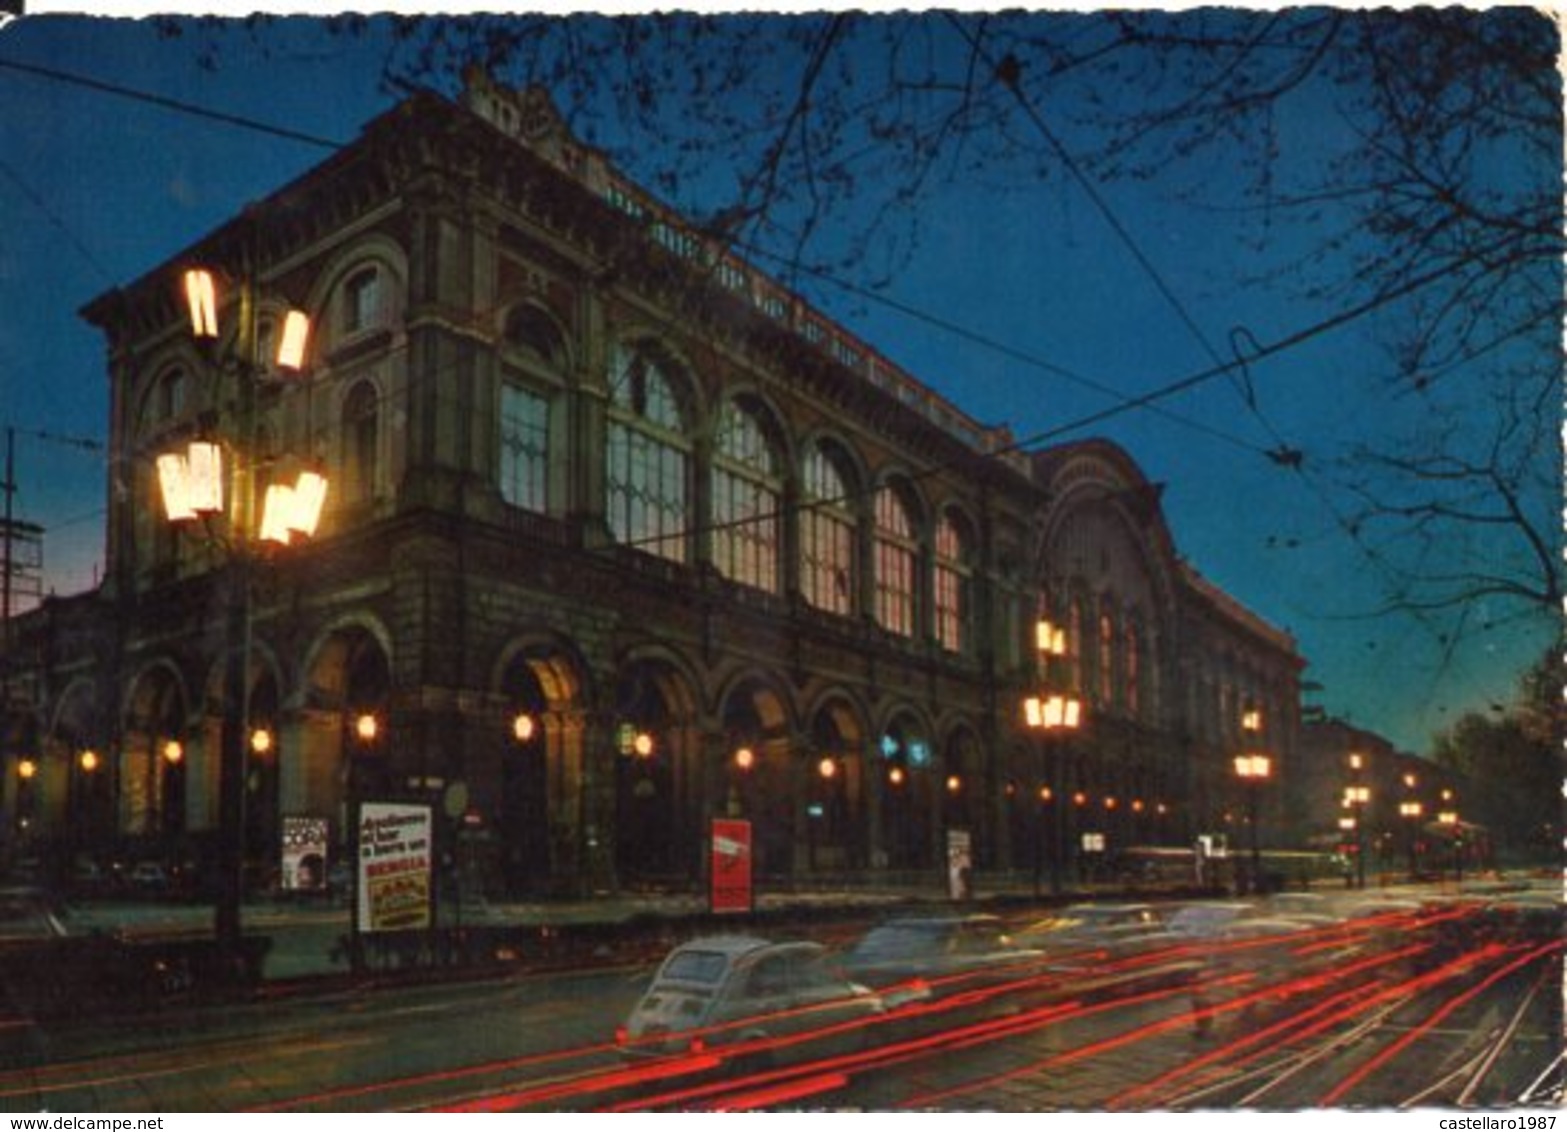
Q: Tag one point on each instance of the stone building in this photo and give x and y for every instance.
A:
(621, 536)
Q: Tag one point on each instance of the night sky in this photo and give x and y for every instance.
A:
(1045, 301)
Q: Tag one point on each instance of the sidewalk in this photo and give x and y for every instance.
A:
(307, 938)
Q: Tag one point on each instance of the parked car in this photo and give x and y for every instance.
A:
(927, 956)
(149, 878)
(29, 915)
(774, 997)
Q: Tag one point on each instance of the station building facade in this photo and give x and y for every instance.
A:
(621, 537)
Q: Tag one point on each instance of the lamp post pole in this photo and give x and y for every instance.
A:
(1049, 715)
(227, 925)
(192, 487)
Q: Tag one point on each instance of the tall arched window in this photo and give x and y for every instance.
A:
(827, 572)
(954, 582)
(534, 352)
(747, 494)
(1105, 687)
(897, 554)
(361, 443)
(1131, 665)
(648, 458)
(361, 305)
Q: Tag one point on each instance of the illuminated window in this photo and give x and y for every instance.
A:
(525, 448)
(896, 555)
(648, 459)
(954, 581)
(827, 574)
(747, 494)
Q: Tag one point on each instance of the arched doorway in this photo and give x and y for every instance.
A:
(657, 834)
(154, 765)
(834, 780)
(906, 773)
(344, 755)
(539, 786)
(756, 778)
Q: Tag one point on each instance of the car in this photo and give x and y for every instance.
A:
(29, 915)
(149, 878)
(911, 957)
(1089, 935)
(776, 998)
(1206, 920)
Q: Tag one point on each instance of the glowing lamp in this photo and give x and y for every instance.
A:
(260, 741)
(745, 758)
(201, 296)
(523, 728)
(26, 769)
(293, 341)
(367, 727)
(293, 510)
(88, 761)
(173, 752)
(191, 481)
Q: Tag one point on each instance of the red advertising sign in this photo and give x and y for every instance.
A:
(731, 866)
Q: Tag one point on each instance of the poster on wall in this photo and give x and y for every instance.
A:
(394, 867)
(304, 853)
(960, 865)
(731, 866)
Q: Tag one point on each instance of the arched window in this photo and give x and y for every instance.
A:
(827, 574)
(1105, 687)
(361, 301)
(1131, 666)
(525, 447)
(747, 494)
(534, 350)
(164, 402)
(648, 457)
(897, 554)
(533, 331)
(361, 443)
(954, 583)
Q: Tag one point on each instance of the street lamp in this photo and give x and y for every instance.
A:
(1411, 812)
(1356, 798)
(196, 485)
(1254, 771)
(1049, 715)
(1455, 834)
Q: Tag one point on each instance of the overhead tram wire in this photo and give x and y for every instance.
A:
(1007, 71)
(56, 75)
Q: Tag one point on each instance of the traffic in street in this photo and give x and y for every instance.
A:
(1411, 997)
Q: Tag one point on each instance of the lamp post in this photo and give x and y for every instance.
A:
(1254, 770)
(194, 486)
(1455, 834)
(1049, 715)
(1411, 812)
(1358, 796)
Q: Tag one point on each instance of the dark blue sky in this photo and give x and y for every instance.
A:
(1035, 302)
